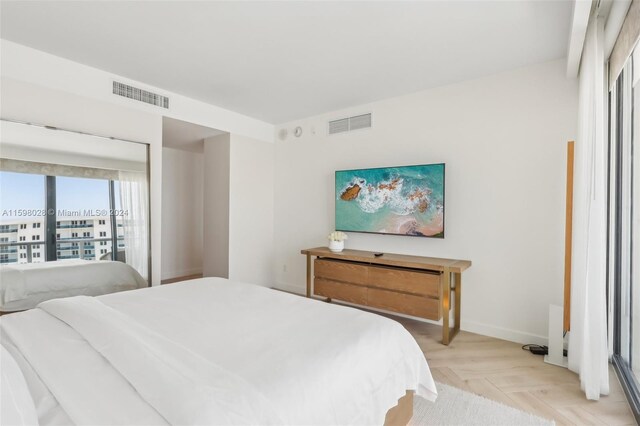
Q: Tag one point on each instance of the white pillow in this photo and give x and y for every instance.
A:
(16, 404)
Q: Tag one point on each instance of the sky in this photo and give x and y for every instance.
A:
(27, 191)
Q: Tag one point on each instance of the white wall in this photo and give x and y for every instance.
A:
(503, 139)
(216, 206)
(46, 89)
(182, 212)
(236, 194)
(31, 65)
(34, 103)
(251, 206)
(238, 209)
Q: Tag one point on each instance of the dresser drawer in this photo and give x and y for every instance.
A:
(336, 270)
(340, 291)
(418, 306)
(404, 280)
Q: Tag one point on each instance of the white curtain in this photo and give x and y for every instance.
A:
(588, 352)
(134, 198)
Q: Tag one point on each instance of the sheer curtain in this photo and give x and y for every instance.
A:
(134, 198)
(588, 351)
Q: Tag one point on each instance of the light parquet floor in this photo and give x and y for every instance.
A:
(502, 371)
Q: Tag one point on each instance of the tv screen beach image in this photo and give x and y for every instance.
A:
(406, 200)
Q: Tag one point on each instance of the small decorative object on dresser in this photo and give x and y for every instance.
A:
(336, 241)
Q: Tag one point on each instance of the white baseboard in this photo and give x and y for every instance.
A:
(181, 273)
(510, 335)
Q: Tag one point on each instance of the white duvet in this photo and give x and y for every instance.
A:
(212, 351)
(24, 286)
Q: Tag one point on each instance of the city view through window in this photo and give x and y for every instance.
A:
(84, 225)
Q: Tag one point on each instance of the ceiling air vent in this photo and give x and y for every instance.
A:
(348, 124)
(131, 92)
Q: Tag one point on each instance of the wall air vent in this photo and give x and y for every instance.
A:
(351, 123)
(131, 92)
(339, 126)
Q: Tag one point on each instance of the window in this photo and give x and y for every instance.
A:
(4, 239)
(83, 196)
(81, 201)
(36, 254)
(79, 190)
(20, 193)
(624, 243)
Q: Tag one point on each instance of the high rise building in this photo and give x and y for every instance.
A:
(23, 240)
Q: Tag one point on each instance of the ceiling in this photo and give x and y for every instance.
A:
(280, 61)
(186, 136)
(21, 141)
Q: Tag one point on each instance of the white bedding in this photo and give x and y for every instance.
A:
(211, 351)
(23, 286)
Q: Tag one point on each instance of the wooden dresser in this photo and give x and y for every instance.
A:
(411, 285)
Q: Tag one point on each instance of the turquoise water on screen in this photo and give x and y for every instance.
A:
(379, 208)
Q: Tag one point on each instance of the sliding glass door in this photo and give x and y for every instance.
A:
(634, 264)
(624, 227)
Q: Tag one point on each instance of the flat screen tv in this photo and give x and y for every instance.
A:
(405, 200)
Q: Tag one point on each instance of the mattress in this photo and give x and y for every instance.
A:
(23, 286)
(212, 351)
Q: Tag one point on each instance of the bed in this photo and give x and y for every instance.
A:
(212, 351)
(24, 286)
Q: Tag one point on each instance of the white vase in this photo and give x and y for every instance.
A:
(336, 246)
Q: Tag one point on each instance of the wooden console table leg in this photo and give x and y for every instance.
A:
(308, 275)
(447, 333)
(458, 277)
(446, 305)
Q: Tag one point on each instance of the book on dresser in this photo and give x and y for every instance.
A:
(412, 285)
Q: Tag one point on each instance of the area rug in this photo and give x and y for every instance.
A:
(458, 407)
